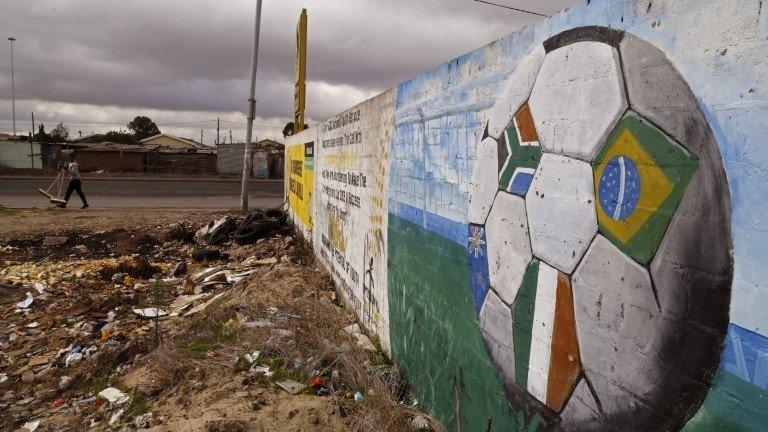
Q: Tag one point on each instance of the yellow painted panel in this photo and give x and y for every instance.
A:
(300, 182)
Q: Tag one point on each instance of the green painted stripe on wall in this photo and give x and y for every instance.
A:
(435, 335)
(522, 316)
(732, 405)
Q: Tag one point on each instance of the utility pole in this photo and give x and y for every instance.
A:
(230, 136)
(251, 112)
(201, 136)
(217, 131)
(13, 89)
(33, 126)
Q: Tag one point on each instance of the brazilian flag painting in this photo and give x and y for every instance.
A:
(640, 177)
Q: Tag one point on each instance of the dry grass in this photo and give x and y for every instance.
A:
(307, 339)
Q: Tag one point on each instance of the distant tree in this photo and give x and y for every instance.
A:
(113, 137)
(288, 129)
(42, 135)
(60, 133)
(143, 127)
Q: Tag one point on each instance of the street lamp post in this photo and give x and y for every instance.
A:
(13, 90)
(251, 113)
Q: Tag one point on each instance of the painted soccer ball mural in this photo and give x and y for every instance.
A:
(599, 237)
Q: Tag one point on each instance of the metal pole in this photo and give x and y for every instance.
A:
(201, 136)
(230, 136)
(13, 89)
(217, 131)
(251, 112)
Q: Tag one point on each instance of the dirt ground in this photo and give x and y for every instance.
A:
(38, 223)
(250, 338)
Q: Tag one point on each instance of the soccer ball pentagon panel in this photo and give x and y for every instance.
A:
(599, 237)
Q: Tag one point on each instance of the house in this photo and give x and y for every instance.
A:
(173, 142)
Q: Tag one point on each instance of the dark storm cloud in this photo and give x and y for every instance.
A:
(182, 55)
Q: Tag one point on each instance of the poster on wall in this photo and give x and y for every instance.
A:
(301, 181)
(350, 225)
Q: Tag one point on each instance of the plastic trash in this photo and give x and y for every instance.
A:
(26, 302)
(150, 312)
(114, 396)
(116, 417)
(31, 426)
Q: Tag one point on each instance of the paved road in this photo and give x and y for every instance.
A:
(135, 193)
(139, 187)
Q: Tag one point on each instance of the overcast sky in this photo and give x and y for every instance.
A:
(96, 64)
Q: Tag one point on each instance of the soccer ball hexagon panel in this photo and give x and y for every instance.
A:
(586, 194)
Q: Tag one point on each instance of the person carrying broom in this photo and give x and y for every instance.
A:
(75, 183)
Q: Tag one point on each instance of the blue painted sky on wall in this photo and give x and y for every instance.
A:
(440, 115)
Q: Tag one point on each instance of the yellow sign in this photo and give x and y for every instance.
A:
(301, 181)
(300, 90)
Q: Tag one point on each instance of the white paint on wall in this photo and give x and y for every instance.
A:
(514, 92)
(495, 321)
(578, 98)
(541, 332)
(351, 207)
(483, 186)
(561, 211)
(509, 248)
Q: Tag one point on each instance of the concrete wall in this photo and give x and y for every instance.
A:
(229, 158)
(564, 229)
(15, 154)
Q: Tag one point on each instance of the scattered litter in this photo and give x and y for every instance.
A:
(179, 269)
(262, 370)
(292, 387)
(116, 417)
(118, 277)
(31, 426)
(258, 324)
(252, 357)
(3, 377)
(199, 276)
(150, 312)
(420, 424)
(33, 324)
(143, 421)
(114, 396)
(26, 302)
(40, 288)
(202, 306)
(184, 302)
(73, 358)
(352, 329)
(64, 382)
(359, 396)
(55, 241)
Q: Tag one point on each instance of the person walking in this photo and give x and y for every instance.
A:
(75, 184)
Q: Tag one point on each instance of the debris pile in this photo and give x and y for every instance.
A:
(187, 329)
